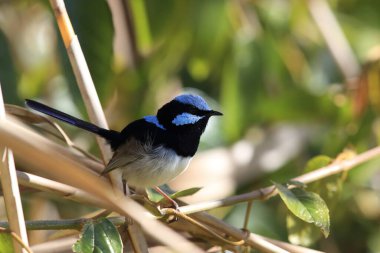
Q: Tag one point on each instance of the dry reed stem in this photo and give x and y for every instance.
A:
(44, 156)
(64, 190)
(11, 190)
(82, 73)
(286, 246)
(93, 106)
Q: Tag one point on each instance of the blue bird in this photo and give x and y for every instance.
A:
(155, 149)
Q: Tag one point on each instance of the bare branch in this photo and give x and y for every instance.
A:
(270, 191)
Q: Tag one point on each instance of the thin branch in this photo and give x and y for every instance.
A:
(287, 246)
(11, 190)
(270, 191)
(76, 224)
(170, 211)
(264, 245)
(247, 214)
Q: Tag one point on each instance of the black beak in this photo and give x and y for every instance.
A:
(214, 113)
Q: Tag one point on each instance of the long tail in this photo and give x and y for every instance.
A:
(109, 135)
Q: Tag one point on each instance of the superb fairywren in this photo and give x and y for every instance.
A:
(153, 150)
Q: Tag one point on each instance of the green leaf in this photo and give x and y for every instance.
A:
(307, 206)
(318, 162)
(184, 193)
(107, 238)
(300, 232)
(156, 197)
(87, 240)
(153, 195)
(6, 243)
(328, 188)
(100, 236)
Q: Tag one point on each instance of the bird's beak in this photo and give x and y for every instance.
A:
(214, 113)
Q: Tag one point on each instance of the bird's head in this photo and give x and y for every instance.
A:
(186, 113)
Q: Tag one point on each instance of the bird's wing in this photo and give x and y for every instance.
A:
(136, 141)
(127, 153)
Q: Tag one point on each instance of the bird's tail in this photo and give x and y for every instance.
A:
(109, 135)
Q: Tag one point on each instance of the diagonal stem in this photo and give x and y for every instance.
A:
(11, 191)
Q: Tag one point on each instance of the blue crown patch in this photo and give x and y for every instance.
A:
(195, 100)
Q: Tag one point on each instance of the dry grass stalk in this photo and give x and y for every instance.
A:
(92, 103)
(63, 190)
(11, 191)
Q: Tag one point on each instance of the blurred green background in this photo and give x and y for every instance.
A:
(294, 79)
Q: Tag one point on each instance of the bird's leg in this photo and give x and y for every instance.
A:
(167, 197)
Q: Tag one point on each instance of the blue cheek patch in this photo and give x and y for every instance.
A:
(153, 119)
(186, 119)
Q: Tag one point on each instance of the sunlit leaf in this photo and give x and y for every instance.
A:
(330, 187)
(302, 233)
(6, 243)
(184, 193)
(156, 197)
(318, 162)
(307, 206)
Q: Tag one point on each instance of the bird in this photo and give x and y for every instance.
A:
(153, 150)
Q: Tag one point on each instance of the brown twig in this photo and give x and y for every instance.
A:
(171, 211)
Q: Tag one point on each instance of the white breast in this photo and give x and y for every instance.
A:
(156, 167)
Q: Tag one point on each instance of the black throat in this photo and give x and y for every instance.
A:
(184, 140)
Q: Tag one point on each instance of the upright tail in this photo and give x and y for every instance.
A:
(109, 135)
